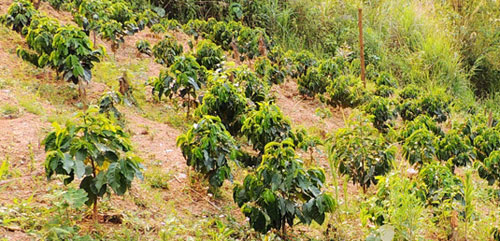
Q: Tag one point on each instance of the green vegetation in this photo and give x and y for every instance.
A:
(274, 92)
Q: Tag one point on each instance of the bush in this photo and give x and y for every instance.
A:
(183, 79)
(420, 122)
(435, 105)
(302, 61)
(208, 147)
(254, 89)
(361, 152)
(455, 149)
(19, 15)
(224, 100)
(420, 146)
(439, 184)
(209, 54)
(144, 47)
(271, 203)
(39, 37)
(313, 82)
(382, 112)
(166, 50)
(269, 71)
(264, 125)
(73, 54)
(345, 91)
(96, 149)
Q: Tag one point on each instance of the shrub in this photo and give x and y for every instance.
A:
(96, 149)
(264, 125)
(360, 151)
(183, 79)
(208, 147)
(420, 146)
(209, 54)
(144, 47)
(269, 71)
(410, 92)
(19, 15)
(39, 37)
(345, 91)
(302, 61)
(254, 89)
(282, 190)
(455, 149)
(382, 112)
(486, 141)
(73, 54)
(439, 184)
(313, 82)
(224, 100)
(435, 105)
(166, 50)
(420, 122)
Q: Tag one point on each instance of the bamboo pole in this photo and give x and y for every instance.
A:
(361, 46)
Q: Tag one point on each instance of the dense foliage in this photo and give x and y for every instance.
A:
(361, 152)
(281, 190)
(19, 15)
(95, 149)
(224, 100)
(166, 50)
(209, 54)
(265, 124)
(208, 147)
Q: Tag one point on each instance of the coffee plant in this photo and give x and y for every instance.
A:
(184, 78)
(439, 184)
(345, 91)
(224, 100)
(281, 190)
(265, 124)
(382, 112)
(269, 71)
(254, 89)
(360, 151)
(94, 149)
(209, 54)
(39, 37)
(421, 121)
(302, 61)
(313, 82)
(410, 92)
(73, 54)
(489, 169)
(144, 47)
(19, 15)
(486, 141)
(420, 146)
(166, 50)
(208, 148)
(455, 149)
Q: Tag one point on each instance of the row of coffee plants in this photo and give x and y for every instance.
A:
(66, 49)
(236, 106)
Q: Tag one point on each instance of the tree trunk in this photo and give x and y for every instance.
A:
(94, 214)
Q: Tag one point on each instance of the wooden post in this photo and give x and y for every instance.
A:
(361, 46)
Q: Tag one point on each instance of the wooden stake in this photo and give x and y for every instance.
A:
(361, 46)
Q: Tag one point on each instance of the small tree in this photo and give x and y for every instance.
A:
(39, 37)
(183, 79)
(455, 149)
(361, 152)
(420, 146)
(167, 50)
(19, 15)
(95, 149)
(254, 88)
(489, 169)
(282, 190)
(73, 54)
(382, 112)
(209, 54)
(264, 125)
(224, 100)
(208, 147)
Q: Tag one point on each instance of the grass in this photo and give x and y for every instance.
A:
(9, 110)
